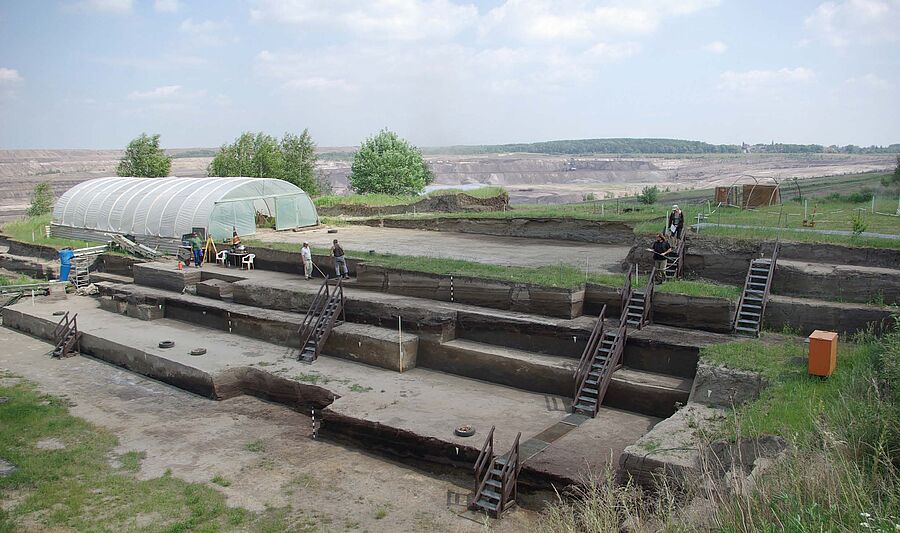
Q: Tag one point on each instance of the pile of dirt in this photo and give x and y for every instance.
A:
(446, 203)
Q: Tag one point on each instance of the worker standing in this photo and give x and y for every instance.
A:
(675, 223)
(65, 263)
(661, 250)
(306, 255)
(340, 262)
(197, 248)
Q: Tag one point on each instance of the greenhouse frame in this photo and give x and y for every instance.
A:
(159, 211)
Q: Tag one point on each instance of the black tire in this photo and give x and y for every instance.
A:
(464, 432)
(167, 344)
(58, 313)
(198, 351)
(332, 231)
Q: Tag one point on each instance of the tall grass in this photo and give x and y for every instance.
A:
(31, 230)
(841, 471)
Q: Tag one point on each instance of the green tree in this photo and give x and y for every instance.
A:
(144, 158)
(892, 179)
(387, 164)
(299, 153)
(41, 200)
(252, 155)
(648, 195)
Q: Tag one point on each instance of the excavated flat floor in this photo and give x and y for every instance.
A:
(426, 403)
(513, 251)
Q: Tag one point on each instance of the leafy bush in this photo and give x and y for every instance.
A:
(859, 224)
(387, 164)
(41, 200)
(649, 195)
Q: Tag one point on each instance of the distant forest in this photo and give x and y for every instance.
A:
(611, 146)
(657, 146)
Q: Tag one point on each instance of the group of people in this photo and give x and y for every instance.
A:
(337, 253)
(662, 247)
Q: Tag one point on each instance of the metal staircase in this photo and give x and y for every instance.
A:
(82, 259)
(67, 337)
(602, 356)
(320, 319)
(637, 304)
(752, 307)
(675, 262)
(496, 478)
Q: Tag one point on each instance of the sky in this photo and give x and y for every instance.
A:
(96, 73)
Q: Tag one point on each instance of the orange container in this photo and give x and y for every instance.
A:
(822, 352)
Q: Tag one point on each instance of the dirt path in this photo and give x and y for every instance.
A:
(507, 251)
(261, 448)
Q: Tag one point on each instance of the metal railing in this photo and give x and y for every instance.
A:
(316, 323)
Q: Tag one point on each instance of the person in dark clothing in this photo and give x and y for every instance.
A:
(661, 249)
(340, 262)
(675, 223)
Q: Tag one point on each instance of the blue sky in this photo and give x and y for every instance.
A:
(95, 73)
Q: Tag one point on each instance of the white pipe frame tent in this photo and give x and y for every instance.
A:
(169, 207)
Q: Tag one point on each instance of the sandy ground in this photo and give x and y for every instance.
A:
(341, 489)
(508, 251)
(529, 178)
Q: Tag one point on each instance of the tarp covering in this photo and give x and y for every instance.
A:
(171, 207)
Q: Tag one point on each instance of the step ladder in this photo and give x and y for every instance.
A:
(757, 286)
(675, 262)
(82, 274)
(496, 478)
(321, 317)
(638, 303)
(67, 337)
(601, 357)
(81, 261)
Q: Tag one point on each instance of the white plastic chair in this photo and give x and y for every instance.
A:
(248, 261)
(220, 257)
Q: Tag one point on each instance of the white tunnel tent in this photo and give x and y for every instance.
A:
(160, 210)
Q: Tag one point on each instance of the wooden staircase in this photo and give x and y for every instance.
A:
(320, 319)
(675, 262)
(636, 304)
(757, 286)
(67, 337)
(496, 478)
(602, 356)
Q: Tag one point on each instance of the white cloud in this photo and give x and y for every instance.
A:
(106, 6)
(846, 22)
(869, 81)
(166, 6)
(582, 20)
(403, 20)
(319, 83)
(716, 47)
(613, 51)
(159, 93)
(754, 80)
(10, 76)
(206, 32)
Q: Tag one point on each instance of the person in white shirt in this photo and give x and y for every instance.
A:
(306, 254)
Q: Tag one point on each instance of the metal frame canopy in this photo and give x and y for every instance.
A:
(170, 207)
